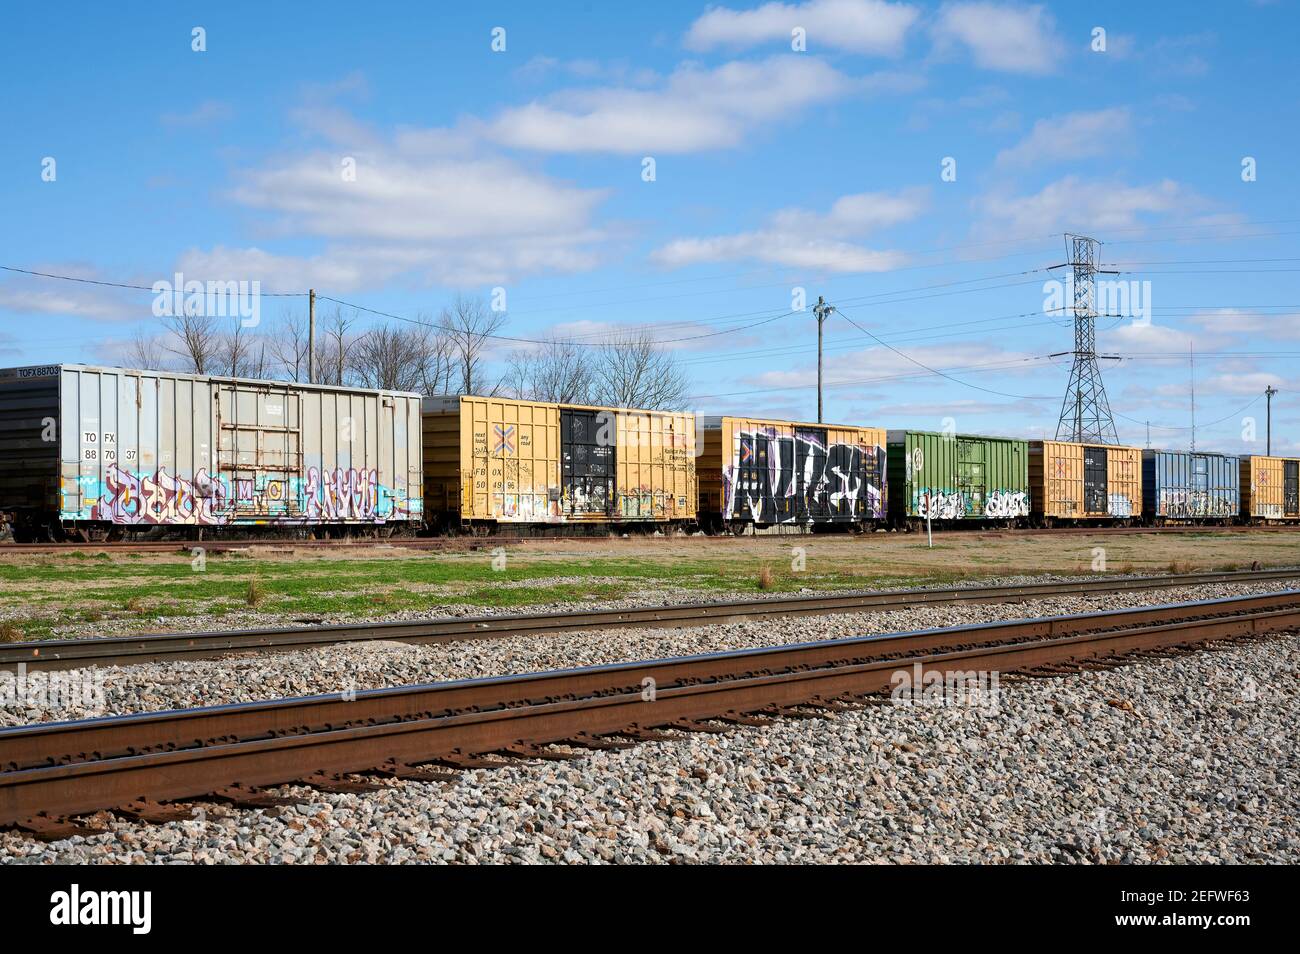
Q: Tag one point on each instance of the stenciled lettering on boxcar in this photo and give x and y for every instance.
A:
(801, 477)
(322, 496)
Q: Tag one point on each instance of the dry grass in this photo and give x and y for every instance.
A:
(765, 579)
(136, 605)
(256, 594)
(10, 632)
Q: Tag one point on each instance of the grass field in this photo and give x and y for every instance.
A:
(39, 593)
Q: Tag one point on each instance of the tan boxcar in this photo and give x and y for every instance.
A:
(1270, 488)
(499, 460)
(1069, 481)
(767, 472)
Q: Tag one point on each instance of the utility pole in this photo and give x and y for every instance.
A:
(821, 310)
(1191, 385)
(311, 336)
(1268, 393)
(1085, 412)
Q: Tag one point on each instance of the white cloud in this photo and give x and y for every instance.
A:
(802, 239)
(694, 109)
(1236, 323)
(34, 295)
(859, 26)
(1012, 39)
(876, 362)
(1079, 135)
(423, 203)
(1074, 204)
(1252, 383)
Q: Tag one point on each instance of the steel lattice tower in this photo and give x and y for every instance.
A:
(1085, 412)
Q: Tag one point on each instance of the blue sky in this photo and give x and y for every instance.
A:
(775, 169)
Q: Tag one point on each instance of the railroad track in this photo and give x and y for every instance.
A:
(134, 764)
(128, 650)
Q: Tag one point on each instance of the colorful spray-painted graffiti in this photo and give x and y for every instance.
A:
(800, 478)
(346, 495)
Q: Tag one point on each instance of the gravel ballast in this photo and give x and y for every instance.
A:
(183, 684)
(1187, 760)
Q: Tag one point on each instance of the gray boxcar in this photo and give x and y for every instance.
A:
(88, 451)
(1180, 485)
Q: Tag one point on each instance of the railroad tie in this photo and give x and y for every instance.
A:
(147, 810)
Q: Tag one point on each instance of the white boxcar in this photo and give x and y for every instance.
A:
(92, 449)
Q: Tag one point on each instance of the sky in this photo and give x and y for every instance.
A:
(705, 172)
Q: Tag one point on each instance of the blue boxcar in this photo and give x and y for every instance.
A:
(1181, 485)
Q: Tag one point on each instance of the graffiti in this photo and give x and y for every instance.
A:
(1271, 511)
(161, 498)
(343, 494)
(1007, 503)
(1119, 505)
(937, 505)
(1183, 504)
(800, 478)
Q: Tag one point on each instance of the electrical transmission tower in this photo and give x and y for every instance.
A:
(1085, 412)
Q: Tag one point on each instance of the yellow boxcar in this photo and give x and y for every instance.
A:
(501, 460)
(1270, 488)
(767, 472)
(1069, 481)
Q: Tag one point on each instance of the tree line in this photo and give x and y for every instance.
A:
(447, 353)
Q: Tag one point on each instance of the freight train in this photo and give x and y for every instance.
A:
(92, 453)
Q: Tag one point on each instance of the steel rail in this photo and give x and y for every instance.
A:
(65, 769)
(127, 650)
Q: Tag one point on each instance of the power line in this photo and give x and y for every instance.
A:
(1023, 397)
(538, 341)
(148, 288)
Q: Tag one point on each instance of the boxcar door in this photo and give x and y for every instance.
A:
(587, 472)
(971, 479)
(258, 450)
(1291, 488)
(812, 491)
(752, 498)
(1095, 494)
(1198, 503)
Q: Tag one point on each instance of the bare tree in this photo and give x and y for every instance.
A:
(559, 371)
(146, 352)
(335, 349)
(469, 326)
(196, 340)
(402, 358)
(287, 344)
(635, 371)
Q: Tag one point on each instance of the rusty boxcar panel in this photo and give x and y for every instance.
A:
(1069, 481)
(1181, 485)
(139, 448)
(513, 461)
(956, 477)
(1270, 487)
(770, 472)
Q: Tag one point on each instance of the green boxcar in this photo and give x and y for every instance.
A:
(956, 477)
